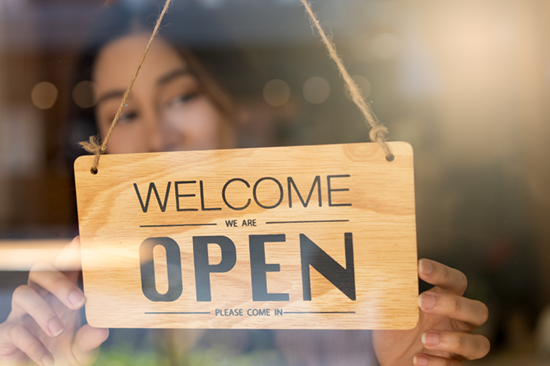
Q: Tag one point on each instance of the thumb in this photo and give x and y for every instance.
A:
(87, 341)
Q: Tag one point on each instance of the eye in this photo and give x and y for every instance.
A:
(127, 117)
(182, 98)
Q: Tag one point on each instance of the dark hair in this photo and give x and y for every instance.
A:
(189, 28)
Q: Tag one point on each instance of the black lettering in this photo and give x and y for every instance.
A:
(259, 268)
(178, 195)
(231, 223)
(330, 190)
(202, 200)
(258, 312)
(152, 187)
(202, 266)
(316, 181)
(342, 278)
(173, 261)
(280, 192)
(225, 199)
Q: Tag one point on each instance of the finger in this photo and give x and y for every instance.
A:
(26, 301)
(472, 312)
(24, 340)
(58, 284)
(7, 349)
(87, 340)
(69, 261)
(429, 360)
(440, 275)
(467, 346)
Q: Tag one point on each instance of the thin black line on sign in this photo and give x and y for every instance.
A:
(179, 312)
(177, 225)
(319, 312)
(304, 222)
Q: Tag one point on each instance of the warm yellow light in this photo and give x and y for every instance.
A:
(21, 255)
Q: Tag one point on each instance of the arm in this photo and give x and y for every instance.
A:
(442, 336)
(44, 323)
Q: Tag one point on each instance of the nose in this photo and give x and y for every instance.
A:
(160, 136)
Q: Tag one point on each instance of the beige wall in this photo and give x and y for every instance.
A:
(534, 134)
(493, 58)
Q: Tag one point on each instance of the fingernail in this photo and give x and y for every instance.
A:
(76, 299)
(55, 326)
(427, 267)
(420, 360)
(430, 339)
(47, 360)
(426, 301)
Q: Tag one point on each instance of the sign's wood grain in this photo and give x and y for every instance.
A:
(307, 237)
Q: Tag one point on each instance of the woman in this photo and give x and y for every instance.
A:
(174, 106)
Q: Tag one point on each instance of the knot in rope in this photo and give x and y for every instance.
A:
(93, 146)
(378, 133)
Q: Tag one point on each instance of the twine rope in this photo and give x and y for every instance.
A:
(378, 132)
(93, 146)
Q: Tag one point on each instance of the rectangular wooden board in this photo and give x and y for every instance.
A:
(304, 237)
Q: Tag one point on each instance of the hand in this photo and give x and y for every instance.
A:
(442, 336)
(44, 324)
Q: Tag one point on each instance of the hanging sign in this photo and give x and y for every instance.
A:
(307, 237)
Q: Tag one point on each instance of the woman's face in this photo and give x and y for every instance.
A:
(167, 109)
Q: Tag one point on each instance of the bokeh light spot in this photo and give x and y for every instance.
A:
(276, 92)
(363, 84)
(316, 90)
(44, 95)
(84, 94)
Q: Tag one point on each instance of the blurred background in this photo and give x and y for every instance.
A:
(466, 82)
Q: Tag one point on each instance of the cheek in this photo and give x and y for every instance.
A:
(125, 140)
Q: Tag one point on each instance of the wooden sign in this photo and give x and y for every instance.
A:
(307, 237)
